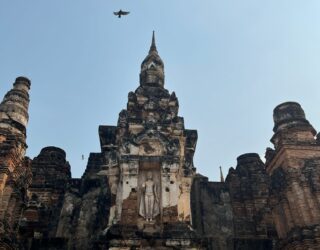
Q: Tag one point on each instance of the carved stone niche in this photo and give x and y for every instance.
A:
(149, 192)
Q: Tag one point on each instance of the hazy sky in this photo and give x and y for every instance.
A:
(229, 62)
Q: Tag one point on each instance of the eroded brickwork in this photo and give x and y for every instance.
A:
(15, 172)
(295, 178)
(212, 215)
(50, 178)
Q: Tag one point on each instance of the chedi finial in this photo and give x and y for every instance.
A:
(152, 68)
(153, 46)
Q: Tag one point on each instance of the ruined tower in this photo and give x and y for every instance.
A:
(294, 168)
(15, 174)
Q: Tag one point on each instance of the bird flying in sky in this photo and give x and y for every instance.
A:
(121, 13)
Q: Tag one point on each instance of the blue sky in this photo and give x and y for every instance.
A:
(229, 62)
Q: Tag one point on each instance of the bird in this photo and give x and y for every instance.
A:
(82, 157)
(121, 13)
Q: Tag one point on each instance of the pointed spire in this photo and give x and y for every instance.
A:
(153, 46)
(152, 68)
(221, 175)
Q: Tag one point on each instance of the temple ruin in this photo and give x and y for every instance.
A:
(142, 191)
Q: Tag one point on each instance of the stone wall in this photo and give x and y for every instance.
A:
(249, 193)
(235, 214)
(212, 215)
